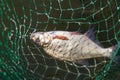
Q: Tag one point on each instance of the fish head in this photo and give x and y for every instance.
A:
(45, 38)
(41, 38)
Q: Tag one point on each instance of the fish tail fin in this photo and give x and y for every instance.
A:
(117, 57)
(110, 51)
(114, 48)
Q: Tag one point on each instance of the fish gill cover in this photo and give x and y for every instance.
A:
(21, 59)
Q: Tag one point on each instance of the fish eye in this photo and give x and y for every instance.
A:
(32, 35)
(37, 40)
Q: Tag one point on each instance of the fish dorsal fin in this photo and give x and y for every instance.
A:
(90, 34)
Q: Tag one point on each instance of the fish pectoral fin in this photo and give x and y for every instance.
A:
(61, 37)
(83, 62)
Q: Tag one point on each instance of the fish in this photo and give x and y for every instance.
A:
(71, 45)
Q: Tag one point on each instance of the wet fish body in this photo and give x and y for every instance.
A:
(71, 46)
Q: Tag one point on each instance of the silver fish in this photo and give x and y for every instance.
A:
(71, 46)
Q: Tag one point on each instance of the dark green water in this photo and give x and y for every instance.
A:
(20, 58)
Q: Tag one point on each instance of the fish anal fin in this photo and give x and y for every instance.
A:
(60, 37)
(83, 62)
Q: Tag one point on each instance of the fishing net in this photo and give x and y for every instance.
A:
(21, 59)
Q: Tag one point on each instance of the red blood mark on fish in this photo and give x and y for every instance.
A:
(60, 37)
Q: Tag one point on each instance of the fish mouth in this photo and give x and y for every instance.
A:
(31, 36)
(33, 39)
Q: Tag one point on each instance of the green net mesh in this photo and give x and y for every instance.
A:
(21, 59)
